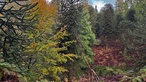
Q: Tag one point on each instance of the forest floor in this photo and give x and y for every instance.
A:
(109, 63)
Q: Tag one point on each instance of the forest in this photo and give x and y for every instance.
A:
(72, 41)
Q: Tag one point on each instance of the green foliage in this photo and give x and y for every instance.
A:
(140, 33)
(108, 20)
(140, 10)
(7, 65)
(93, 18)
(13, 23)
(125, 29)
(46, 57)
(132, 31)
(41, 46)
(34, 50)
(86, 37)
(107, 71)
(99, 24)
(76, 20)
(131, 15)
(129, 29)
(122, 7)
(135, 77)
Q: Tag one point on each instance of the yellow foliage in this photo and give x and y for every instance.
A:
(60, 34)
(70, 56)
(45, 46)
(52, 44)
(45, 71)
(68, 43)
(33, 45)
(58, 49)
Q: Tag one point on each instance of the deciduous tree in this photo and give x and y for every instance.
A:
(46, 57)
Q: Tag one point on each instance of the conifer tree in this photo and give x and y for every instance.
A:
(108, 23)
(121, 7)
(69, 17)
(46, 57)
(131, 15)
(132, 32)
(93, 18)
(86, 35)
(13, 25)
(76, 18)
(140, 32)
(108, 18)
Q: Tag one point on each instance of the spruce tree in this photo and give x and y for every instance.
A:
(108, 24)
(86, 36)
(93, 18)
(75, 17)
(140, 32)
(69, 17)
(108, 18)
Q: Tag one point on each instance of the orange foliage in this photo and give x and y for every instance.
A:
(46, 13)
(46, 8)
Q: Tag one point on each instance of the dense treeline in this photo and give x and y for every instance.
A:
(70, 40)
(123, 28)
